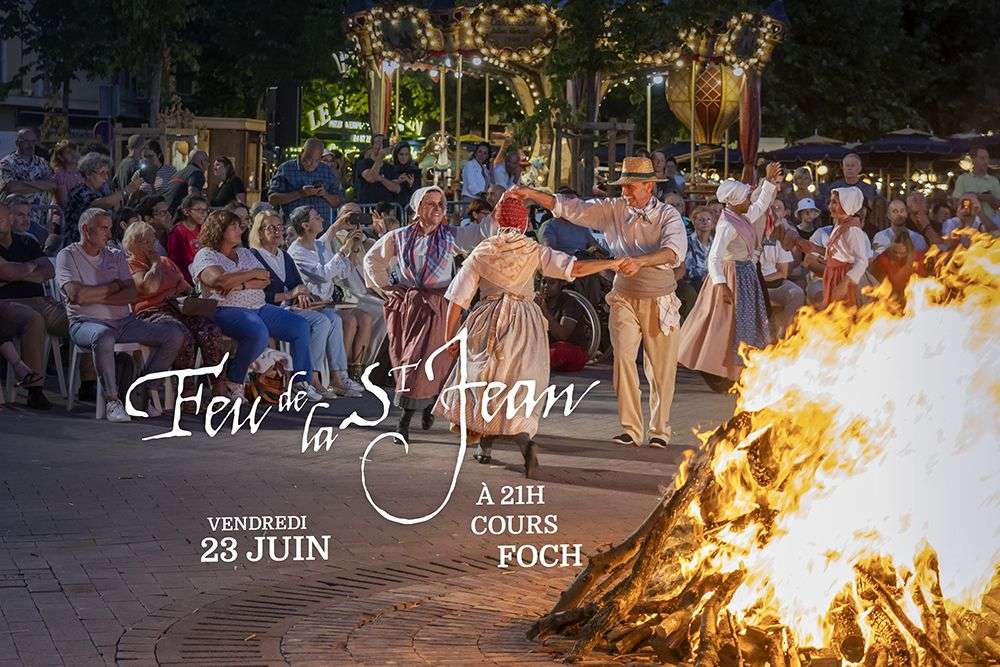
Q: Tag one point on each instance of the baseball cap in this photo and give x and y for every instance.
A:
(805, 204)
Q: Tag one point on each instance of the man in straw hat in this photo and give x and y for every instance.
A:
(423, 256)
(644, 308)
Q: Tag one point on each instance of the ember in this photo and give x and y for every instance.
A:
(848, 512)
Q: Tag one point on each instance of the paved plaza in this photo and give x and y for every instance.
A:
(101, 536)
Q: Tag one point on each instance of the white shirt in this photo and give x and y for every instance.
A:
(852, 247)
(502, 178)
(319, 267)
(237, 298)
(771, 256)
(475, 178)
(951, 224)
(276, 262)
(821, 236)
(883, 239)
(725, 233)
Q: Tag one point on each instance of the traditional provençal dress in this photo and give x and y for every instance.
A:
(507, 333)
(416, 316)
(712, 333)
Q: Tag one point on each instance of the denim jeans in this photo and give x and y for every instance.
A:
(326, 338)
(251, 329)
(164, 340)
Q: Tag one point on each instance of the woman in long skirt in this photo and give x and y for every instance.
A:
(731, 308)
(507, 333)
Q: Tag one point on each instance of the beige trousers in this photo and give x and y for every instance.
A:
(635, 321)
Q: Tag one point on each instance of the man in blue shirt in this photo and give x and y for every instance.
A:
(306, 181)
(565, 236)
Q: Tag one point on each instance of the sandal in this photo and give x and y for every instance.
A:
(30, 379)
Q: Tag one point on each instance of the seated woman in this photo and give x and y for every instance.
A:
(898, 264)
(326, 331)
(232, 275)
(18, 322)
(322, 267)
(158, 281)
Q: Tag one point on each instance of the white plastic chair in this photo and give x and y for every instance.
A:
(129, 348)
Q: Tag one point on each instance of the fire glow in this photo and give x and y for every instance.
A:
(852, 506)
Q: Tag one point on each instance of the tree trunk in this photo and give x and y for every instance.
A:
(156, 87)
(65, 103)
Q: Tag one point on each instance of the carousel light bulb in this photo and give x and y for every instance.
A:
(433, 73)
(950, 174)
(737, 71)
(811, 188)
(965, 163)
(658, 79)
(915, 176)
(822, 170)
(788, 177)
(447, 61)
(476, 60)
(680, 62)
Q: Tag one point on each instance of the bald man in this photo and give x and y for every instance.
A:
(189, 180)
(307, 181)
(851, 167)
(24, 173)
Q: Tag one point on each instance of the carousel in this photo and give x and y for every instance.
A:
(710, 77)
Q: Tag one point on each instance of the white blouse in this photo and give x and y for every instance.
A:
(729, 246)
(245, 261)
(319, 267)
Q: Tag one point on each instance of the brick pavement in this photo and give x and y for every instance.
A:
(100, 536)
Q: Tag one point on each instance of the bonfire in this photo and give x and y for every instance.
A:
(848, 512)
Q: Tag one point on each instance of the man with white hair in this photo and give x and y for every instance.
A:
(307, 181)
(644, 307)
(24, 173)
(851, 167)
(99, 289)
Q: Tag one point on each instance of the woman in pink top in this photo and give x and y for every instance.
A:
(64, 171)
(182, 241)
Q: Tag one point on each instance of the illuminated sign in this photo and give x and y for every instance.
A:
(333, 115)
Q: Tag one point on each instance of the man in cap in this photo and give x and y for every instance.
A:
(644, 308)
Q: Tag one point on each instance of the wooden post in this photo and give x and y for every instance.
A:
(613, 151)
(486, 116)
(725, 155)
(649, 116)
(458, 122)
(557, 158)
(694, 120)
(399, 69)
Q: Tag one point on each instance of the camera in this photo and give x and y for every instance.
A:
(147, 171)
(361, 219)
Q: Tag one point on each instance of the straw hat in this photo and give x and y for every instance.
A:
(637, 170)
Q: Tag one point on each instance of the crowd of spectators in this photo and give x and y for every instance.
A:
(96, 254)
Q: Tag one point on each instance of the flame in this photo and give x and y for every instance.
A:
(883, 422)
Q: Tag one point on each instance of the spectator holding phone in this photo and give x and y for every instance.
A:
(404, 172)
(980, 183)
(374, 178)
(970, 216)
(306, 181)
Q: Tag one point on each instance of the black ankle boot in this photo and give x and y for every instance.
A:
(527, 447)
(484, 452)
(427, 419)
(404, 424)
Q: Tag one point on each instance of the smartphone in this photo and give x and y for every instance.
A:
(361, 220)
(966, 204)
(318, 184)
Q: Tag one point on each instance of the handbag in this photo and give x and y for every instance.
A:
(195, 306)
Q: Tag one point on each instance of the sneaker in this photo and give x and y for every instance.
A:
(624, 440)
(345, 386)
(116, 412)
(328, 393)
(235, 391)
(308, 390)
(658, 443)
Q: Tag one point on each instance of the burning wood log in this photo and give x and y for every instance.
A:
(928, 572)
(708, 637)
(735, 639)
(897, 614)
(848, 641)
